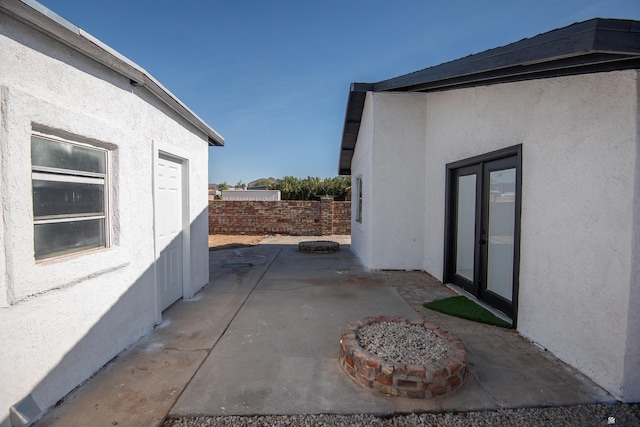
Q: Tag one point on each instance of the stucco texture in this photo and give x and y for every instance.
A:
(64, 318)
(579, 221)
(391, 233)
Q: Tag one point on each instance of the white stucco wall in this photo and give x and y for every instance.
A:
(578, 176)
(62, 319)
(362, 167)
(631, 375)
(391, 235)
(579, 243)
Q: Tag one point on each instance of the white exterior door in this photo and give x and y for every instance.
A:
(169, 236)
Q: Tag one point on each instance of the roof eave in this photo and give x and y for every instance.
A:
(558, 48)
(48, 22)
(352, 119)
(597, 45)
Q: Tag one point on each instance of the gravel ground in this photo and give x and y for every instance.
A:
(579, 415)
(401, 342)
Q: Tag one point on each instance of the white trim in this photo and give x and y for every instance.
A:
(44, 169)
(68, 218)
(359, 197)
(187, 289)
(154, 199)
(186, 225)
(40, 176)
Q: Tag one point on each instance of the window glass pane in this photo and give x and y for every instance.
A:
(60, 155)
(502, 203)
(466, 226)
(66, 237)
(67, 198)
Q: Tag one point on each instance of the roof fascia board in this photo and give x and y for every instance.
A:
(351, 128)
(48, 22)
(597, 45)
(595, 35)
(594, 62)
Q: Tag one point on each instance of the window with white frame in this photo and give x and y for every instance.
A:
(359, 199)
(70, 196)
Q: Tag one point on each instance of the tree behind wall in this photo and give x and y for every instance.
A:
(311, 188)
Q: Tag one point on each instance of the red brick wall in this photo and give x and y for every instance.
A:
(292, 217)
(342, 217)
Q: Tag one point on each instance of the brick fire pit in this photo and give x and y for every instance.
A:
(319, 247)
(426, 381)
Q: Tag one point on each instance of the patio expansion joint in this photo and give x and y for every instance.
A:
(289, 289)
(209, 350)
(188, 350)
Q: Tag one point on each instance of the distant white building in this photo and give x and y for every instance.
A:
(103, 186)
(520, 170)
(264, 195)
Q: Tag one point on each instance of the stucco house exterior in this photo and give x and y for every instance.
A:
(103, 178)
(520, 170)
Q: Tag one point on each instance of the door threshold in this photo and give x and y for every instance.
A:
(460, 291)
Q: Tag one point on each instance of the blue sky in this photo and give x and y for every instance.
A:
(273, 76)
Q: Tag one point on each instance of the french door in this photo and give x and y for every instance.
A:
(482, 243)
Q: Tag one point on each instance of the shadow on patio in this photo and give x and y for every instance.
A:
(268, 325)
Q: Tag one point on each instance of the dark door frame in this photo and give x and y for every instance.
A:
(453, 170)
(451, 244)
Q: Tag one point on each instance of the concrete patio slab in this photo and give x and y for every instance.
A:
(139, 387)
(263, 338)
(279, 355)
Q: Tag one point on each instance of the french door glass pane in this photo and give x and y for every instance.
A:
(502, 203)
(466, 226)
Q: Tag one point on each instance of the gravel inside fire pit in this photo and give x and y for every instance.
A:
(402, 342)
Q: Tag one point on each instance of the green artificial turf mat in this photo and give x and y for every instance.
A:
(461, 306)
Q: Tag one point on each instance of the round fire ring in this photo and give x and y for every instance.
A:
(237, 265)
(436, 374)
(319, 247)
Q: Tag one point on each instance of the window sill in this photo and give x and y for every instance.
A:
(70, 255)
